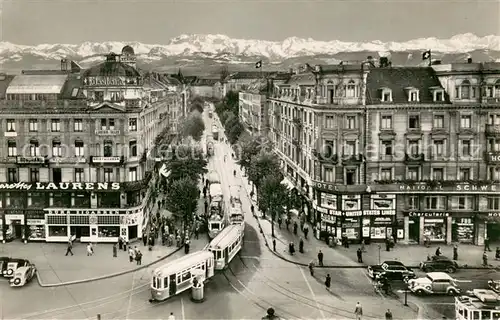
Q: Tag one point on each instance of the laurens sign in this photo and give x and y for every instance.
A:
(61, 186)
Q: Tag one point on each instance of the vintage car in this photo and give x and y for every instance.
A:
(434, 283)
(12, 266)
(439, 263)
(494, 285)
(3, 264)
(393, 270)
(23, 275)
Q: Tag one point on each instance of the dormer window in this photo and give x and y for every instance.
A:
(437, 94)
(413, 94)
(386, 95)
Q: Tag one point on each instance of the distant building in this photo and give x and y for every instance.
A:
(77, 155)
(207, 88)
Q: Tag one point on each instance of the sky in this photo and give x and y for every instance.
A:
(32, 22)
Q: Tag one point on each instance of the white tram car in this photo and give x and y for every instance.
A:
(478, 304)
(177, 276)
(216, 215)
(226, 245)
(236, 215)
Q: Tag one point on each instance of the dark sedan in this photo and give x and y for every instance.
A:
(439, 263)
(393, 270)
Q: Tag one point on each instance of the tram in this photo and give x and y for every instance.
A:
(216, 217)
(226, 245)
(236, 215)
(177, 276)
(478, 304)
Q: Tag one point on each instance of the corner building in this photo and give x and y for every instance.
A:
(381, 151)
(75, 156)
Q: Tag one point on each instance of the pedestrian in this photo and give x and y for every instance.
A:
(455, 252)
(131, 254)
(90, 250)
(196, 232)
(204, 192)
(485, 258)
(287, 222)
(487, 244)
(115, 250)
(438, 251)
(295, 228)
(186, 246)
(301, 246)
(387, 245)
(144, 239)
(291, 248)
(69, 249)
(280, 221)
(178, 240)
(497, 253)
(125, 245)
(120, 243)
(320, 258)
(138, 257)
(358, 311)
(171, 316)
(311, 268)
(388, 314)
(274, 245)
(328, 281)
(252, 209)
(359, 253)
(306, 231)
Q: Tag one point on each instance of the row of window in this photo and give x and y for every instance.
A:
(456, 203)
(55, 125)
(106, 175)
(59, 151)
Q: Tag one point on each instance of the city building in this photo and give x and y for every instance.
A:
(206, 88)
(75, 157)
(404, 152)
(239, 81)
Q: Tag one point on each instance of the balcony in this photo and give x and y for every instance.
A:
(490, 100)
(492, 157)
(492, 130)
(348, 159)
(414, 158)
(107, 132)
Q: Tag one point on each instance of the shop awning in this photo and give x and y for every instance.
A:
(287, 183)
(32, 84)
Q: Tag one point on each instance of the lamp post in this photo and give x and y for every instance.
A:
(379, 247)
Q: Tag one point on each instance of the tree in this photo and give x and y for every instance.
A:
(193, 126)
(182, 200)
(234, 132)
(272, 196)
(264, 165)
(185, 162)
(231, 101)
(250, 148)
(196, 107)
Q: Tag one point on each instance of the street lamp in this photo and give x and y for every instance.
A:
(379, 247)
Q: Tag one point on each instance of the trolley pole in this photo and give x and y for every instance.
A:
(99, 316)
(379, 247)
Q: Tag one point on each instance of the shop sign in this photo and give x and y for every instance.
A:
(428, 214)
(61, 186)
(322, 210)
(326, 186)
(451, 187)
(473, 187)
(106, 159)
(30, 160)
(15, 216)
(358, 213)
(379, 212)
(35, 222)
(494, 214)
(420, 187)
(67, 160)
(104, 81)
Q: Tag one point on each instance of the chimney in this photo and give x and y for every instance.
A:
(469, 60)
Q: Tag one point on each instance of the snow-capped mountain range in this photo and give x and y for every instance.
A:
(193, 48)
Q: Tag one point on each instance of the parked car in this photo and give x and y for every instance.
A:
(434, 283)
(12, 266)
(23, 275)
(439, 263)
(494, 285)
(3, 264)
(393, 270)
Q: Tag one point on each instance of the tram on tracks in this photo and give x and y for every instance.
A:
(216, 214)
(226, 245)
(177, 276)
(236, 215)
(478, 304)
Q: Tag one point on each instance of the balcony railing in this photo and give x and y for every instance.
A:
(419, 157)
(492, 129)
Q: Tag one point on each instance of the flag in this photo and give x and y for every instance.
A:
(258, 64)
(426, 55)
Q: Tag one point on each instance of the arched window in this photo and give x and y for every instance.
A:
(34, 148)
(351, 89)
(465, 90)
(56, 148)
(108, 148)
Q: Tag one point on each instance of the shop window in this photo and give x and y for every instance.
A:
(11, 125)
(438, 174)
(12, 175)
(55, 125)
(37, 199)
(386, 174)
(132, 146)
(79, 175)
(58, 231)
(33, 125)
(132, 124)
(108, 232)
(435, 203)
(34, 175)
(108, 174)
(462, 229)
(438, 122)
(61, 200)
(464, 174)
(462, 203)
(413, 203)
(329, 201)
(108, 199)
(386, 122)
(82, 200)
(493, 203)
(435, 229)
(79, 152)
(11, 148)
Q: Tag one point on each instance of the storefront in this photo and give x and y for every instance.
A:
(379, 223)
(351, 218)
(432, 226)
(462, 229)
(35, 225)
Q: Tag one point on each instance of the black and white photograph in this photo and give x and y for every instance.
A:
(250, 159)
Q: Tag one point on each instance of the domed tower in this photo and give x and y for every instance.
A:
(128, 56)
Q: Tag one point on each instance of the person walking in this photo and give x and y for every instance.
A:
(120, 243)
(171, 316)
(274, 245)
(90, 250)
(144, 239)
(115, 250)
(320, 258)
(306, 231)
(328, 281)
(186, 246)
(295, 228)
(388, 314)
(438, 251)
(196, 232)
(487, 244)
(485, 258)
(131, 254)
(358, 311)
(301, 246)
(359, 253)
(69, 249)
(138, 257)
(455, 252)
(311, 268)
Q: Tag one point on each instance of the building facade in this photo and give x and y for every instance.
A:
(76, 150)
(378, 152)
(253, 112)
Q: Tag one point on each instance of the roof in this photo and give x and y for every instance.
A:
(302, 79)
(73, 82)
(205, 82)
(152, 84)
(182, 263)
(28, 84)
(393, 263)
(4, 83)
(112, 68)
(128, 50)
(45, 72)
(399, 78)
(257, 86)
(282, 76)
(439, 275)
(341, 67)
(227, 236)
(170, 80)
(250, 74)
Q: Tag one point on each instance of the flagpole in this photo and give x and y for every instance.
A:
(430, 58)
